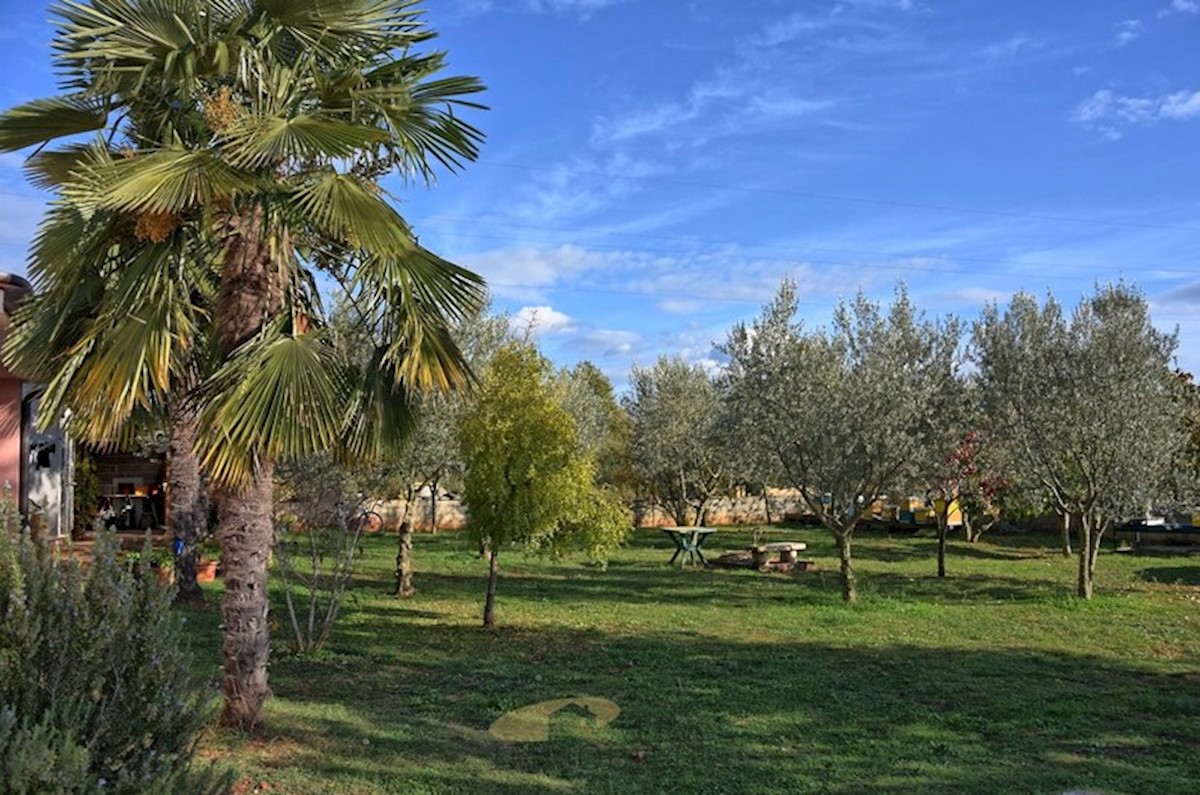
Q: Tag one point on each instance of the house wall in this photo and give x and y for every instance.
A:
(49, 481)
(10, 433)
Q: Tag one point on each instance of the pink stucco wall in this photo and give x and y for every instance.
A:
(10, 433)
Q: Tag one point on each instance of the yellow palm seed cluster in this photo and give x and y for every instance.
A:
(221, 111)
(155, 226)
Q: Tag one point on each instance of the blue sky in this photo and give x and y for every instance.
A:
(654, 167)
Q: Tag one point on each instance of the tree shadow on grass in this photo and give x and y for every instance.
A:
(707, 715)
(634, 583)
(1173, 575)
(961, 588)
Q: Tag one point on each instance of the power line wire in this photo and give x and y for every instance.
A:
(904, 267)
(791, 252)
(851, 199)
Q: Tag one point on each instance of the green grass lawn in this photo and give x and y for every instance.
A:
(993, 680)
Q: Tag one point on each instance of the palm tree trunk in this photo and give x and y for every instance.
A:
(188, 508)
(250, 294)
(245, 537)
(489, 604)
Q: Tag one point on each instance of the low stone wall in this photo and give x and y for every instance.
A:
(729, 511)
(451, 514)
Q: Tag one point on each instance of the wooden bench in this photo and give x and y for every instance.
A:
(1165, 533)
(786, 556)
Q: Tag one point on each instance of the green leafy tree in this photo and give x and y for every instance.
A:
(1088, 406)
(950, 464)
(241, 146)
(603, 426)
(845, 413)
(675, 410)
(527, 482)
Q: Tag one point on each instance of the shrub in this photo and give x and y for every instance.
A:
(96, 690)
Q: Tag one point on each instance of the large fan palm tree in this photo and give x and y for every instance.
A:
(233, 180)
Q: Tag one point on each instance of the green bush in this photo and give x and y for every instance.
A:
(94, 679)
(41, 758)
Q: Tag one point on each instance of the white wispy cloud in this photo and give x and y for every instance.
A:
(955, 300)
(759, 87)
(583, 9)
(1108, 112)
(581, 186)
(1128, 30)
(1181, 7)
(580, 7)
(540, 320)
(1187, 295)
(1010, 48)
(525, 272)
(583, 340)
(727, 103)
(905, 6)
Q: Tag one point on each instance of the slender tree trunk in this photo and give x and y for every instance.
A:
(433, 502)
(250, 294)
(404, 586)
(849, 589)
(1086, 560)
(767, 505)
(1097, 534)
(489, 605)
(943, 529)
(1066, 534)
(187, 500)
(245, 538)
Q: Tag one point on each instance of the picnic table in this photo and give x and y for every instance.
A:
(786, 552)
(688, 543)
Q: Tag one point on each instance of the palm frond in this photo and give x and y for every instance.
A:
(279, 396)
(332, 31)
(381, 413)
(352, 211)
(49, 169)
(257, 141)
(420, 282)
(161, 181)
(44, 120)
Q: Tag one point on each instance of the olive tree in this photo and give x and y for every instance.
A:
(674, 409)
(1088, 404)
(603, 427)
(527, 483)
(845, 413)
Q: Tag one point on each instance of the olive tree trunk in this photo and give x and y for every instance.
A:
(404, 586)
(1091, 533)
(489, 604)
(187, 500)
(433, 506)
(1066, 534)
(943, 530)
(849, 586)
(1087, 559)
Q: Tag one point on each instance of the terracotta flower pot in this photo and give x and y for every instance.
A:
(206, 570)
